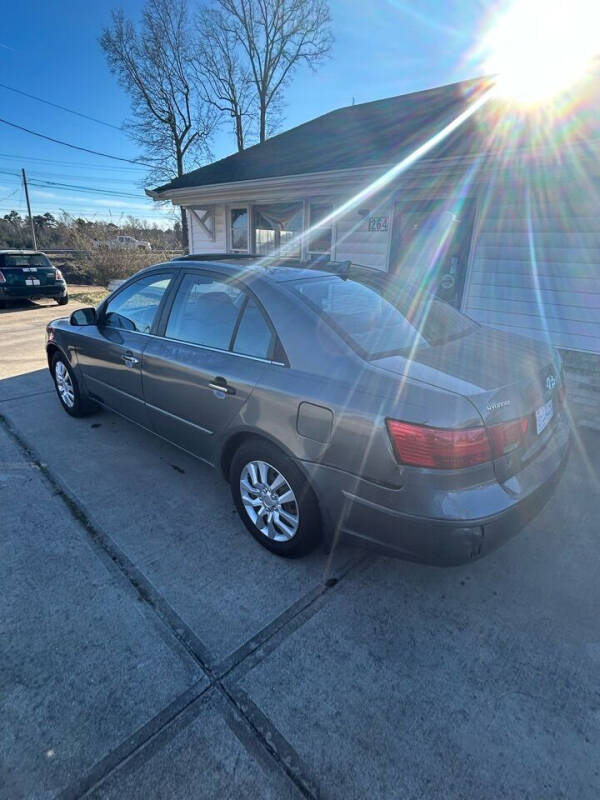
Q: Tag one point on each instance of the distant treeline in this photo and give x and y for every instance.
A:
(76, 233)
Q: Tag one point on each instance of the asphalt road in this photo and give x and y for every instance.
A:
(150, 648)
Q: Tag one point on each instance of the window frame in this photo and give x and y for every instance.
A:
(249, 235)
(167, 273)
(275, 345)
(214, 277)
(315, 201)
(278, 356)
(276, 252)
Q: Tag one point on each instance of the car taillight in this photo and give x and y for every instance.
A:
(438, 448)
(448, 448)
(2, 278)
(58, 274)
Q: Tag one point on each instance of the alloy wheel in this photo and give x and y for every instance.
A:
(64, 384)
(269, 501)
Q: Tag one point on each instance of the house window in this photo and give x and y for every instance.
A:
(320, 239)
(277, 228)
(239, 229)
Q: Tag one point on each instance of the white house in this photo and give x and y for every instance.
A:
(499, 211)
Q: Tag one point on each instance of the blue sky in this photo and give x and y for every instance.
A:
(382, 48)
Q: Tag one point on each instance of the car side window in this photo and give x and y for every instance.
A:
(254, 336)
(205, 311)
(134, 309)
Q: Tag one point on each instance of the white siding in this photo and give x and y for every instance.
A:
(540, 277)
(200, 241)
(354, 241)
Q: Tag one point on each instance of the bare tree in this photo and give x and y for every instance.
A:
(277, 36)
(224, 72)
(155, 67)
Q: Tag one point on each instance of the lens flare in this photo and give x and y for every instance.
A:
(538, 48)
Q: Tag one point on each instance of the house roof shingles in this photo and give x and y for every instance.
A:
(384, 131)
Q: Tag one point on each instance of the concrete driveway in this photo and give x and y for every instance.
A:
(150, 648)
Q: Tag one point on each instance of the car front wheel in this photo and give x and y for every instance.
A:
(274, 499)
(67, 389)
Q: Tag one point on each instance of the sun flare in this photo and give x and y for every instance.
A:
(538, 48)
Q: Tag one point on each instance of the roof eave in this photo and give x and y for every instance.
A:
(321, 183)
(311, 182)
(316, 179)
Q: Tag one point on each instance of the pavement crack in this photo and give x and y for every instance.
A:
(134, 743)
(267, 735)
(271, 636)
(111, 552)
(276, 745)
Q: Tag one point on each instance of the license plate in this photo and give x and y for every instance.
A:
(543, 415)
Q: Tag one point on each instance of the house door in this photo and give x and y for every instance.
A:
(430, 245)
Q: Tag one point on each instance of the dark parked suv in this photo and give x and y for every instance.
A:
(333, 399)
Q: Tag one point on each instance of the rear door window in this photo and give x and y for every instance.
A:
(134, 309)
(254, 336)
(205, 311)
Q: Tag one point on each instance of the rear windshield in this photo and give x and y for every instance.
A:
(16, 260)
(381, 320)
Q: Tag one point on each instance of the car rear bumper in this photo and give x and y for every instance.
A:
(53, 291)
(374, 515)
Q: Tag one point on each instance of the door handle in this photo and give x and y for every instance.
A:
(129, 359)
(221, 385)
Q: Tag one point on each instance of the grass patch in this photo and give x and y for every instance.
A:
(90, 296)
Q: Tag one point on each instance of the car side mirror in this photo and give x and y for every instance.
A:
(84, 316)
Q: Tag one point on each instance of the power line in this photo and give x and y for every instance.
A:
(21, 158)
(57, 202)
(42, 182)
(74, 187)
(74, 146)
(6, 197)
(96, 179)
(62, 108)
(43, 175)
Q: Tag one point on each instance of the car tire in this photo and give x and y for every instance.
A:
(62, 301)
(67, 389)
(290, 528)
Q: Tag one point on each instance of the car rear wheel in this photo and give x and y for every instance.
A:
(62, 301)
(274, 500)
(67, 389)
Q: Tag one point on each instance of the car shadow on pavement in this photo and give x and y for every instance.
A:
(19, 306)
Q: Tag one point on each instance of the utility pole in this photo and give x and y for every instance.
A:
(29, 209)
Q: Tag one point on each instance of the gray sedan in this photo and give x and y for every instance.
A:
(335, 401)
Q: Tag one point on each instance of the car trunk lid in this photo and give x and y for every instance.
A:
(29, 276)
(504, 376)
